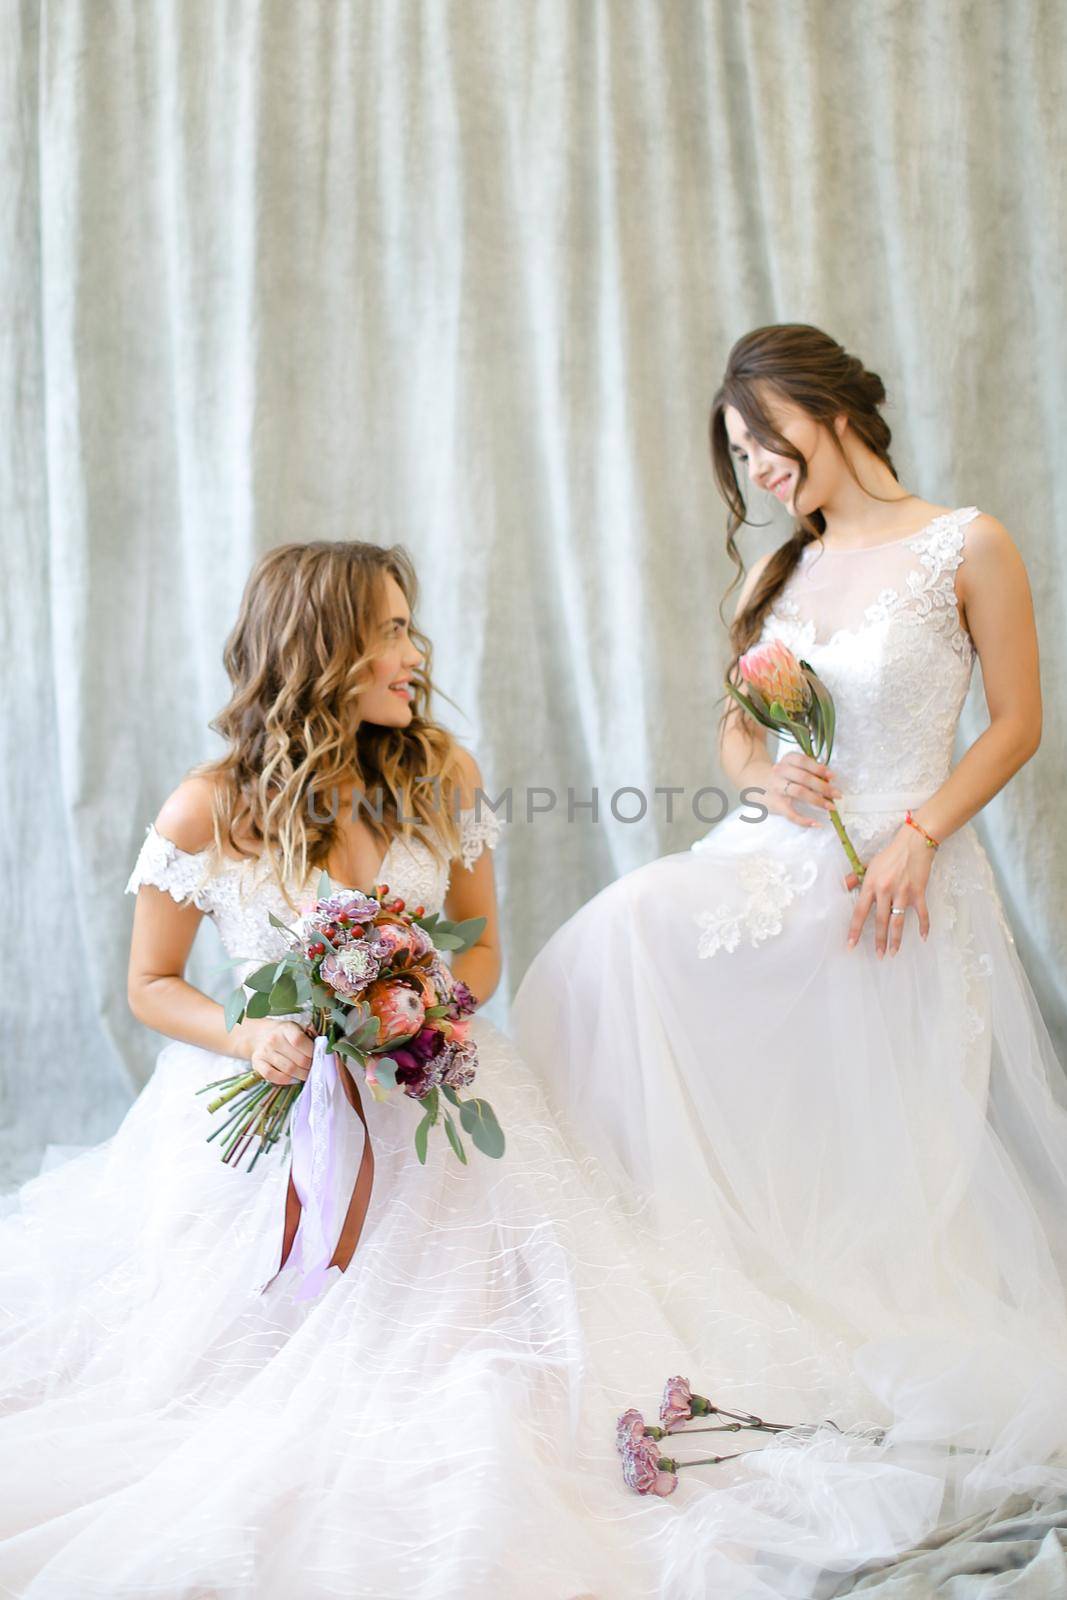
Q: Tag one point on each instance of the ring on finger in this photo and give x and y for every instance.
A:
(897, 911)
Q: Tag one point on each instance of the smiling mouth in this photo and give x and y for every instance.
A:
(779, 485)
(405, 690)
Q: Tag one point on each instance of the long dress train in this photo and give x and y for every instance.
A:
(438, 1422)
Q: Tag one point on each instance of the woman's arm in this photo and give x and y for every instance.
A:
(163, 934)
(994, 590)
(998, 607)
(472, 893)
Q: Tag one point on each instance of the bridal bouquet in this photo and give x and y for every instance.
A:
(367, 974)
(788, 696)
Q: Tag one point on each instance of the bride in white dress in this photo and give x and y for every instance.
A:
(440, 1420)
(874, 1131)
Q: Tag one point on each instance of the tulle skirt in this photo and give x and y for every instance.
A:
(878, 1145)
(438, 1422)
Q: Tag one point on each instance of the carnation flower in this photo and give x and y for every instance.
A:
(629, 1428)
(462, 998)
(391, 939)
(459, 1068)
(677, 1404)
(351, 969)
(645, 1470)
(347, 903)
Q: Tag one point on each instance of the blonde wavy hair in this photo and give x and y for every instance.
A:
(298, 657)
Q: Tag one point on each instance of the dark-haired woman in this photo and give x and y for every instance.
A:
(847, 1086)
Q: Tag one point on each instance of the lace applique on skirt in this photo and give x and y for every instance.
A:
(770, 885)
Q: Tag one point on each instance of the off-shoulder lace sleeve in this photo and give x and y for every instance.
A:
(163, 865)
(478, 828)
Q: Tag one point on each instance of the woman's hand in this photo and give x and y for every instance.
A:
(896, 876)
(797, 777)
(279, 1051)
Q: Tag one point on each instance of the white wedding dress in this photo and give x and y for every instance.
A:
(880, 1144)
(438, 1424)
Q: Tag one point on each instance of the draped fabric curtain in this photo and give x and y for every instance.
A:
(464, 274)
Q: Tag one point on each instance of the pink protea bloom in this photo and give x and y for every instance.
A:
(645, 1471)
(677, 1404)
(398, 1008)
(774, 670)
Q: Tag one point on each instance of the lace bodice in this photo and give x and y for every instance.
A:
(881, 628)
(239, 896)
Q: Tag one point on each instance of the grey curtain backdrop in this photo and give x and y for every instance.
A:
(465, 275)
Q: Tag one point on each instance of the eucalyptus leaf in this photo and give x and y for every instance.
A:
(262, 980)
(470, 930)
(385, 1072)
(325, 887)
(479, 1121)
(454, 1139)
(422, 1134)
(366, 1037)
(235, 1008)
(450, 1094)
(259, 1004)
(283, 996)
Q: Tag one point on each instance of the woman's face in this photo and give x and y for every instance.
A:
(387, 699)
(778, 474)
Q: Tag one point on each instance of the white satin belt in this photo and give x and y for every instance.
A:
(901, 800)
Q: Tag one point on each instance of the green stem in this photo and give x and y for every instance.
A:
(858, 866)
(248, 1081)
(804, 740)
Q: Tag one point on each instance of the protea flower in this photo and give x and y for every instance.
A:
(398, 1008)
(788, 696)
(774, 670)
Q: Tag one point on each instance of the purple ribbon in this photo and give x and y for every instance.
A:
(313, 1166)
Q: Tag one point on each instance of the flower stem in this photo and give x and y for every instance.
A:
(857, 865)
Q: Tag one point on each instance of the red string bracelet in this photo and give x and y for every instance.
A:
(931, 841)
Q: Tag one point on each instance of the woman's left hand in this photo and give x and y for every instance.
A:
(896, 876)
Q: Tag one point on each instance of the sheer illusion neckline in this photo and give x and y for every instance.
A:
(884, 544)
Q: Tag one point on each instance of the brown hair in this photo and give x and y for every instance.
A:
(298, 656)
(799, 363)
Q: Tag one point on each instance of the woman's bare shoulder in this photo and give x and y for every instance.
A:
(185, 816)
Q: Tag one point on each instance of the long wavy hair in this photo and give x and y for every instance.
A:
(299, 655)
(800, 363)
